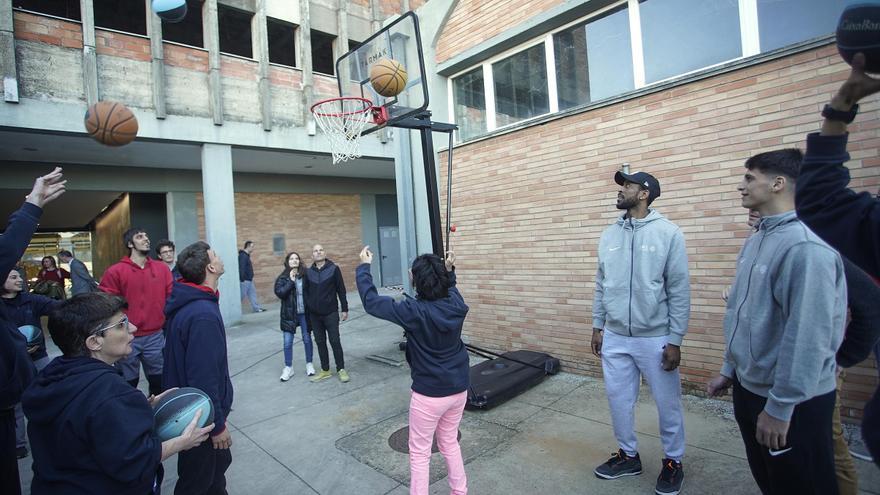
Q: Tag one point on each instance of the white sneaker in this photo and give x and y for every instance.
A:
(310, 370)
(286, 373)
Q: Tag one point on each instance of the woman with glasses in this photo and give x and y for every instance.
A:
(290, 287)
(91, 432)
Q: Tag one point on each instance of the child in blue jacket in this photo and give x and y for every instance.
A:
(437, 357)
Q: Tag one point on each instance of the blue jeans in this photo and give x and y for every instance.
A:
(307, 341)
(248, 289)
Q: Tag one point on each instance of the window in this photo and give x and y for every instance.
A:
(353, 45)
(785, 22)
(188, 31)
(282, 48)
(679, 36)
(235, 31)
(322, 53)
(278, 244)
(69, 9)
(594, 59)
(129, 16)
(469, 102)
(521, 86)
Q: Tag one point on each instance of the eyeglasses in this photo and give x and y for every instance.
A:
(123, 323)
(167, 251)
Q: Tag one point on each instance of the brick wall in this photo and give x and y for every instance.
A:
(333, 220)
(47, 30)
(530, 205)
(467, 25)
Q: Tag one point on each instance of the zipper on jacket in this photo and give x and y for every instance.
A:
(748, 286)
(632, 264)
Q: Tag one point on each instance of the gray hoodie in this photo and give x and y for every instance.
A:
(785, 315)
(642, 286)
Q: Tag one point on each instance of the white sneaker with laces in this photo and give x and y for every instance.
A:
(286, 373)
(310, 370)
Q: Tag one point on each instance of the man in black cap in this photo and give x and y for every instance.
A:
(640, 315)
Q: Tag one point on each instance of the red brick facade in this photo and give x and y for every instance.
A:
(530, 205)
(333, 220)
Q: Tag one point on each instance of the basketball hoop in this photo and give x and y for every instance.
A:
(343, 120)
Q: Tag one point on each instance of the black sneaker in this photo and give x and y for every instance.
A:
(619, 465)
(670, 479)
(21, 452)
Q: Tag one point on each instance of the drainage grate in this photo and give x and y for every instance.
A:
(399, 441)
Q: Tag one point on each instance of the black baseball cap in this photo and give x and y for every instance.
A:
(643, 179)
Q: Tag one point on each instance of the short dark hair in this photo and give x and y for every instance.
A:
(65, 253)
(430, 278)
(248, 243)
(785, 162)
(164, 243)
(193, 260)
(73, 320)
(128, 236)
(21, 273)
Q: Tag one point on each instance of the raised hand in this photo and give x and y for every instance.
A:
(858, 85)
(47, 188)
(450, 260)
(366, 255)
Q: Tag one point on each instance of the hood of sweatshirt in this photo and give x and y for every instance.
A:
(47, 401)
(184, 293)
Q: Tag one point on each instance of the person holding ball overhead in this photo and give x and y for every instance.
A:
(437, 358)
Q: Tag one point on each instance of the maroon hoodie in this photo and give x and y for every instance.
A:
(145, 289)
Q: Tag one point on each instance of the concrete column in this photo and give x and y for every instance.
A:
(261, 48)
(90, 57)
(220, 223)
(8, 69)
(305, 57)
(370, 233)
(342, 39)
(183, 220)
(212, 43)
(157, 68)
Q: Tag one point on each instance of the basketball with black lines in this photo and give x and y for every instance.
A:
(111, 123)
(388, 77)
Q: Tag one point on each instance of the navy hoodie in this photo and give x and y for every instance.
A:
(438, 360)
(90, 431)
(26, 309)
(322, 287)
(16, 368)
(195, 347)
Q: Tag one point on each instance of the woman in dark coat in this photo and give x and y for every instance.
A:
(290, 288)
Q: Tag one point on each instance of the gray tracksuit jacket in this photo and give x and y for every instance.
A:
(785, 315)
(642, 286)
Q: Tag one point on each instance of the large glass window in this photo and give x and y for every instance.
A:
(521, 86)
(122, 15)
(189, 30)
(786, 22)
(469, 102)
(679, 36)
(69, 9)
(322, 53)
(282, 49)
(235, 31)
(594, 59)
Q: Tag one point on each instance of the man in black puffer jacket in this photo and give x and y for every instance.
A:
(324, 285)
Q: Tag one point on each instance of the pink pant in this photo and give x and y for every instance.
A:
(443, 414)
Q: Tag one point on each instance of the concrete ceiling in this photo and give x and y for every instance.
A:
(73, 211)
(69, 148)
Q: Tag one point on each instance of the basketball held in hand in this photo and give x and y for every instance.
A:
(111, 123)
(859, 31)
(388, 77)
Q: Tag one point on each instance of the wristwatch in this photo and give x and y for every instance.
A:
(831, 113)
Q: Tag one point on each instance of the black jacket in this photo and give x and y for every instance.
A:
(26, 309)
(863, 331)
(90, 431)
(436, 355)
(325, 285)
(285, 289)
(245, 267)
(16, 368)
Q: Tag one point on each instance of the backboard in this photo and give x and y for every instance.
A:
(400, 41)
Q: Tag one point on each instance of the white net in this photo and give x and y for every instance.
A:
(343, 120)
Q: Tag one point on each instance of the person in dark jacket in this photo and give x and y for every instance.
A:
(16, 367)
(846, 220)
(81, 280)
(290, 288)
(324, 285)
(195, 356)
(25, 309)
(437, 358)
(246, 276)
(165, 251)
(90, 431)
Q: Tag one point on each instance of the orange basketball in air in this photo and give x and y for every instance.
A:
(388, 77)
(111, 123)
